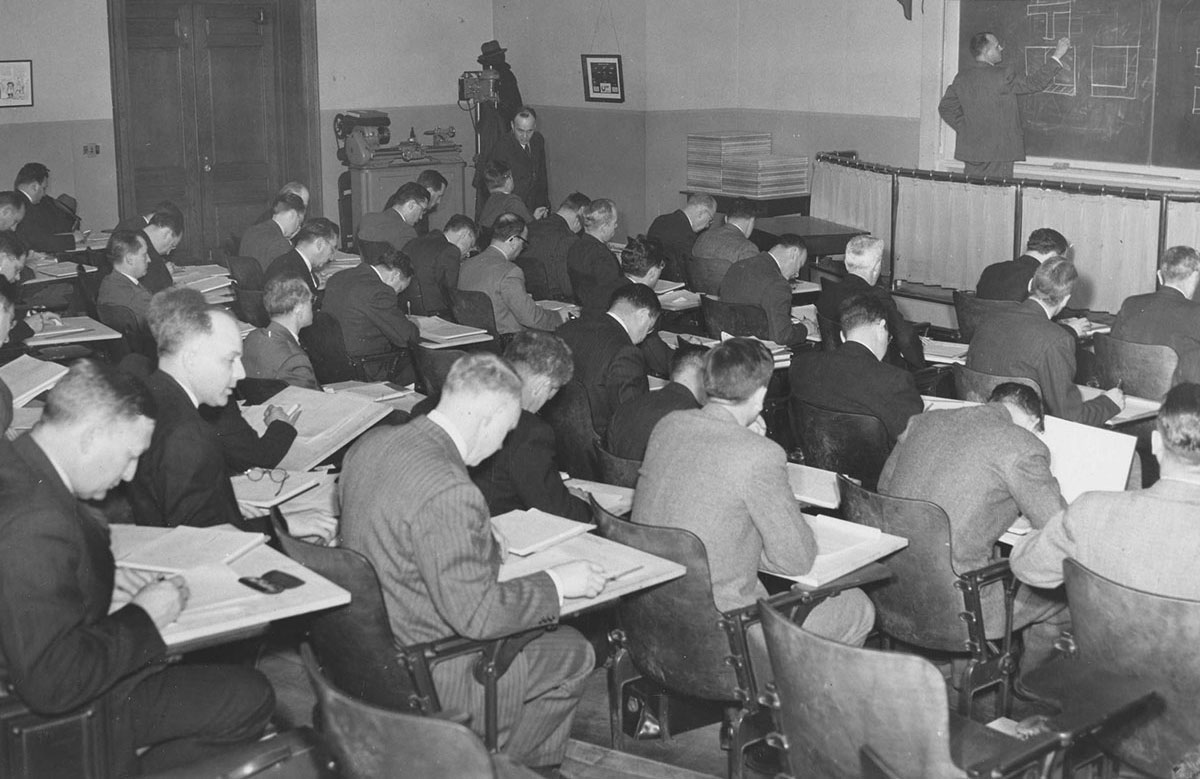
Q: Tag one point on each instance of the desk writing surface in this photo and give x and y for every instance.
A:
(1135, 408)
(613, 499)
(57, 271)
(327, 422)
(821, 236)
(75, 329)
(814, 486)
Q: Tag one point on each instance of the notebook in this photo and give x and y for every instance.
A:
(27, 377)
(532, 530)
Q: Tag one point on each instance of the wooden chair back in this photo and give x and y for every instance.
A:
(570, 414)
(372, 250)
(474, 309)
(74, 744)
(1148, 637)
(617, 470)
(537, 281)
(707, 273)
(840, 441)
(975, 386)
(836, 699)
(134, 332)
(326, 348)
(87, 289)
(733, 318)
(246, 273)
(831, 333)
(970, 311)
(432, 367)
(1144, 370)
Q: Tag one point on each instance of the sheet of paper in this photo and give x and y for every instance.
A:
(843, 547)
(186, 547)
(377, 391)
(531, 530)
(680, 300)
(435, 328)
(214, 586)
(1085, 458)
(27, 377)
(944, 351)
(662, 286)
(329, 421)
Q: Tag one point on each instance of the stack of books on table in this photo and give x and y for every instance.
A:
(438, 330)
(769, 176)
(708, 153)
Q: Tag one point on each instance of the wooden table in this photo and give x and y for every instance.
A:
(41, 276)
(820, 235)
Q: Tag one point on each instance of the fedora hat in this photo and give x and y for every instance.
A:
(490, 49)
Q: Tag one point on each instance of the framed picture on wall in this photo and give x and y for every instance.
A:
(16, 83)
(603, 79)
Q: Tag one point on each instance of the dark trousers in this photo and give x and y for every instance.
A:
(991, 170)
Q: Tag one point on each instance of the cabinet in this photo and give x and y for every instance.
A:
(370, 188)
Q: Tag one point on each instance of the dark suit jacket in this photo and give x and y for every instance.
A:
(272, 352)
(549, 240)
(117, 289)
(757, 281)
(503, 203)
(386, 226)
(1164, 317)
(158, 275)
(607, 364)
(242, 446)
(906, 346)
(594, 272)
(1007, 280)
(367, 310)
(264, 242)
(849, 378)
(58, 644)
(528, 168)
(674, 233)
(6, 407)
(435, 262)
(724, 242)
(40, 228)
(1024, 342)
(182, 478)
(981, 105)
(291, 266)
(634, 420)
(523, 474)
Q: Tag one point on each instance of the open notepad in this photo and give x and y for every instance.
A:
(531, 530)
(27, 377)
(186, 547)
(843, 547)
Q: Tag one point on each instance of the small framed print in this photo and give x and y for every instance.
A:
(16, 83)
(603, 79)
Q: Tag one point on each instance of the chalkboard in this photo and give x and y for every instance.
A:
(1130, 91)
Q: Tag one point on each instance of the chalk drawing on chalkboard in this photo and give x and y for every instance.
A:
(1115, 71)
(1036, 58)
(1196, 100)
(1197, 65)
(1050, 21)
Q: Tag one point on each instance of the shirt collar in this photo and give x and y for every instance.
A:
(443, 421)
(187, 390)
(59, 470)
(126, 275)
(621, 322)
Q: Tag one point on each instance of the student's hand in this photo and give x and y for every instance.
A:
(759, 425)
(172, 267)
(501, 541)
(1064, 44)
(40, 320)
(1116, 395)
(540, 212)
(580, 579)
(80, 237)
(1079, 324)
(163, 600)
(277, 414)
(566, 314)
(313, 524)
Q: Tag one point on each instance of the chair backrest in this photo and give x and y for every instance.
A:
(1150, 637)
(87, 288)
(733, 318)
(707, 274)
(672, 630)
(840, 441)
(919, 604)
(836, 699)
(1145, 370)
(248, 285)
(617, 470)
(327, 349)
(432, 366)
(372, 250)
(570, 414)
(355, 641)
(537, 281)
(134, 331)
(972, 385)
(246, 273)
(831, 333)
(369, 741)
(474, 309)
(970, 311)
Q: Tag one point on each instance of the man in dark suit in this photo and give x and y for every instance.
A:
(524, 151)
(126, 253)
(676, 232)
(764, 281)
(12, 210)
(163, 233)
(316, 243)
(552, 237)
(274, 351)
(604, 347)
(1009, 280)
(730, 242)
(981, 105)
(46, 227)
(1168, 316)
(591, 265)
(641, 262)
(435, 184)
(853, 377)
(8, 306)
(985, 466)
(634, 420)
(273, 238)
(436, 257)
(395, 223)
(408, 504)
(523, 473)
(864, 262)
(1024, 342)
(60, 647)
(363, 300)
(501, 198)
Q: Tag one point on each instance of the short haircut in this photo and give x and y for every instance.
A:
(1020, 395)
(640, 256)
(288, 201)
(861, 309)
(176, 314)
(575, 202)
(172, 220)
(8, 296)
(409, 192)
(507, 225)
(862, 252)
(598, 212)
(31, 173)
(393, 259)
(979, 42)
(1179, 422)
(741, 208)
(736, 369)
(1178, 263)
(294, 188)
(527, 112)
(11, 245)
(792, 241)
(480, 372)
(284, 293)
(168, 206)
(638, 296)
(687, 356)
(92, 388)
(432, 180)
(122, 244)
(10, 198)
(1054, 280)
(698, 200)
(317, 227)
(495, 173)
(460, 222)
(542, 354)
(1046, 240)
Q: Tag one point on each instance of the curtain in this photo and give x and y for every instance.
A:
(947, 232)
(848, 196)
(1115, 241)
(1183, 224)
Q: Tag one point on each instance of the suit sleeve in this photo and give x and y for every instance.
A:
(1033, 486)
(297, 371)
(906, 404)
(950, 108)
(520, 302)
(1037, 559)
(788, 545)
(448, 265)
(626, 377)
(1034, 82)
(40, 238)
(384, 312)
(657, 355)
(538, 484)
(182, 480)
(1063, 399)
(777, 303)
(907, 340)
(6, 407)
(540, 195)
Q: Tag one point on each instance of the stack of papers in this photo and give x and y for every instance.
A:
(207, 283)
(186, 547)
(663, 286)
(532, 530)
(434, 328)
(781, 354)
(674, 339)
(379, 391)
(944, 351)
(613, 499)
(680, 300)
(59, 270)
(27, 377)
(843, 547)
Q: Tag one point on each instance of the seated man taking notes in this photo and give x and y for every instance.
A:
(494, 273)
(363, 300)
(1169, 316)
(127, 253)
(635, 419)
(764, 281)
(274, 351)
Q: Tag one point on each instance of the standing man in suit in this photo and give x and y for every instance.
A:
(1025, 342)
(60, 647)
(591, 265)
(493, 272)
(523, 473)
(864, 263)
(524, 151)
(316, 243)
(501, 199)
(408, 504)
(634, 420)
(1169, 316)
(274, 351)
(604, 347)
(552, 237)
(764, 280)
(395, 224)
(436, 257)
(363, 301)
(126, 253)
(163, 233)
(1009, 280)
(854, 377)
(981, 106)
(45, 227)
(273, 238)
(12, 210)
(435, 183)
(985, 466)
(731, 241)
(676, 232)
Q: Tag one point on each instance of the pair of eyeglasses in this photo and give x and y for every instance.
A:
(277, 475)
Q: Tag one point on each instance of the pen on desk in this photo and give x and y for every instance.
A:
(608, 577)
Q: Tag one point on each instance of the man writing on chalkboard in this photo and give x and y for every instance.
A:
(981, 106)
